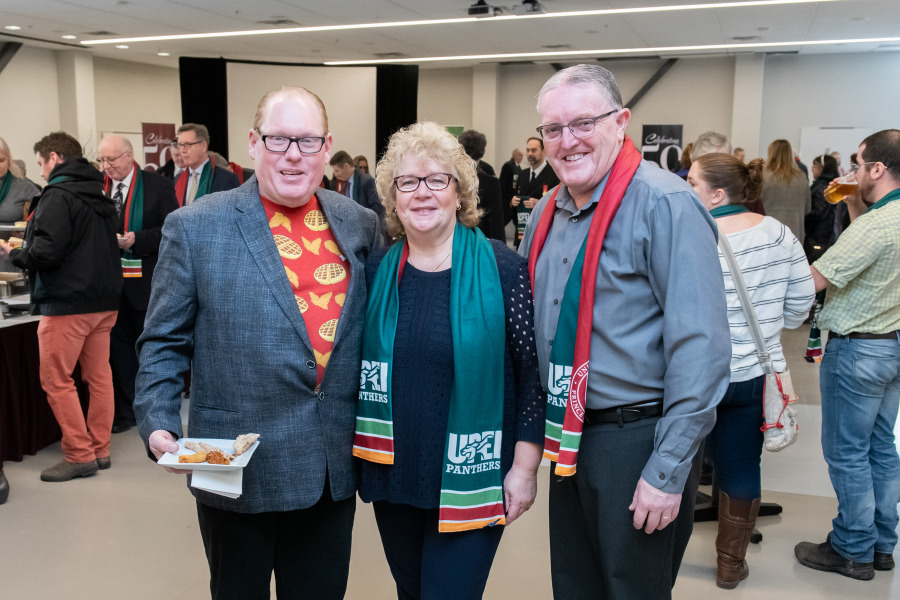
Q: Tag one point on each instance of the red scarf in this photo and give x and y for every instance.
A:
(562, 445)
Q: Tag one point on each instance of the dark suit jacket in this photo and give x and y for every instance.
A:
(159, 201)
(535, 189)
(222, 304)
(492, 223)
(222, 181)
(364, 192)
(167, 170)
(509, 175)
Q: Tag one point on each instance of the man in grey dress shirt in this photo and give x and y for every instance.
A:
(659, 348)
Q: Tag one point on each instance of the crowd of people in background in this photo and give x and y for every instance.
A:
(395, 319)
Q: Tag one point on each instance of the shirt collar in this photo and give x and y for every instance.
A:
(198, 169)
(126, 181)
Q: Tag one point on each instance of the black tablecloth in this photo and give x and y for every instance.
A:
(26, 421)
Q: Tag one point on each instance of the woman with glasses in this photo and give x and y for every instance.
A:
(785, 192)
(780, 285)
(15, 190)
(450, 416)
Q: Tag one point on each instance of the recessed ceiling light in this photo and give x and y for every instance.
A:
(70, 37)
(121, 46)
(12, 27)
(162, 53)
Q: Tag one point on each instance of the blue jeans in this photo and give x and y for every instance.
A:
(860, 386)
(737, 440)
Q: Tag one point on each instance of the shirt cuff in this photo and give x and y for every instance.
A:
(666, 476)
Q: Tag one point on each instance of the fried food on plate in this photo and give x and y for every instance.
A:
(243, 442)
(198, 457)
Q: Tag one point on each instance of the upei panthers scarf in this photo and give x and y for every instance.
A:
(203, 186)
(134, 218)
(570, 354)
(471, 485)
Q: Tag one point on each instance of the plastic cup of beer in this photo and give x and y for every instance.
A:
(843, 186)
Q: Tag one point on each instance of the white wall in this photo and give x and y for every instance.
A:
(128, 94)
(351, 116)
(445, 97)
(829, 90)
(29, 102)
(696, 93)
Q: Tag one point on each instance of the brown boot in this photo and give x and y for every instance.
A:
(736, 520)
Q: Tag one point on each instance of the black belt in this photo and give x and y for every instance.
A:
(623, 414)
(861, 335)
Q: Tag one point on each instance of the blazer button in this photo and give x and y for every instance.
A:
(311, 364)
(321, 395)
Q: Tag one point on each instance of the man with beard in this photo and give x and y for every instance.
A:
(860, 376)
(533, 183)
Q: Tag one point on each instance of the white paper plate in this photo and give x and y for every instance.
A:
(171, 460)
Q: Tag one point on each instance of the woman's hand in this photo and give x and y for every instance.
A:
(520, 485)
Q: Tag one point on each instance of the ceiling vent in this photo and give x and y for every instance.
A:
(98, 33)
(390, 55)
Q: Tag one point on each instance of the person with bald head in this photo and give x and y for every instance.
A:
(143, 201)
(262, 291)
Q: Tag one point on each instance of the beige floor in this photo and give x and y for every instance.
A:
(131, 533)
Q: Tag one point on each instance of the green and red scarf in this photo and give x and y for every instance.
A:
(570, 355)
(471, 485)
(134, 218)
(204, 186)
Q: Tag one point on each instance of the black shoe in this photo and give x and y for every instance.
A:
(122, 427)
(823, 557)
(104, 463)
(884, 561)
(4, 488)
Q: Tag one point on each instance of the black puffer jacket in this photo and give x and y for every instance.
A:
(70, 247)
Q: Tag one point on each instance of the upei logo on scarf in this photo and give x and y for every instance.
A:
(558, 382)
(373, 384)
(484, 446)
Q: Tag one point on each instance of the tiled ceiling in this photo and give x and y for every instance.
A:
(44, 22)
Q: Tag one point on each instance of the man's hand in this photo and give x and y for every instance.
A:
(126, 241)
(656, 507)
(4, 249)
(160, 442)
(530, 202)
(515, 201)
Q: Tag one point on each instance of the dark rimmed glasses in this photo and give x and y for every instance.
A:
(578, 128)
(434, 182)
(281, 144)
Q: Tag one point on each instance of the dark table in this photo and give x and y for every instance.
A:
(26, 422)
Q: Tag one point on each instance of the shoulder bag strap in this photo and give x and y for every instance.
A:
(746, 305)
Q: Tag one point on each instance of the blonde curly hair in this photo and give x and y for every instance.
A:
(430, 142)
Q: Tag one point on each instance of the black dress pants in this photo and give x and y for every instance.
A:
(308, 550)
(595, 551)
(429, 565)
(123, 358)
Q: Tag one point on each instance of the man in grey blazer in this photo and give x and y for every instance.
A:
(226, 303)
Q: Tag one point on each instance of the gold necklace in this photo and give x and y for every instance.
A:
(443, 261)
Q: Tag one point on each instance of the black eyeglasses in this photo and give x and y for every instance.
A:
(184, 145)
(281, 144)
(579, 127)
(435, 182)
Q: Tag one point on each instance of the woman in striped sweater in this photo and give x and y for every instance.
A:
(779, 282)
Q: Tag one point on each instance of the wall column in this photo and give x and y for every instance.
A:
(484, 108)
(746, 112)
(77, 109)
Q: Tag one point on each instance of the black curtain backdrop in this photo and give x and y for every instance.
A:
(204, 98)
(396, 100)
